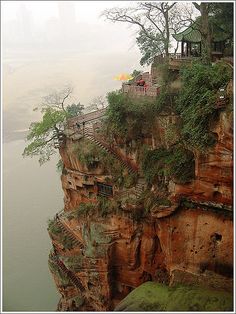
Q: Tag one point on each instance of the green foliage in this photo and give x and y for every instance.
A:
(130, 180)
(176, 163)
(91, 155)
(106, 206)
(149, 47)
(59, 274)
(136, 73)
(223, 16)
(152, 296)
(60, 166)
(66, 242)
(85, 209)
(165, 101)
(42, 134)
(74, 110)
(196, 102)
(150, 200)
(53, 227)
(87, 153)
(128, 118)
(166, 75)
(79, 300)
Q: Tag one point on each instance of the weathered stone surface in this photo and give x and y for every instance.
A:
(189, 242)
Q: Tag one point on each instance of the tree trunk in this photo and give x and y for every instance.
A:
(167, 39)
(205, 34)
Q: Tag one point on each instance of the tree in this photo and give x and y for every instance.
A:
(135, 73)
(223, 15)
(43, 133)
(74, 109)
(204, 9)
(98, 103)
(156, 22)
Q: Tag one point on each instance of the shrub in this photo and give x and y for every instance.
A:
(53, 227)
(129, 118)
(85, 209)
(176, 163)
(66, 242)
(106, 206)
(59, 274)
(197, 99)
(88, 153)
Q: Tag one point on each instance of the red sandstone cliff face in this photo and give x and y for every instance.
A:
(214, 169)
(112, 253)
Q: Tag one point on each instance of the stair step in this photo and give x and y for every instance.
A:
(128, 167)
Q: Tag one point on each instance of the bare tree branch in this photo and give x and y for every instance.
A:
(197, 6)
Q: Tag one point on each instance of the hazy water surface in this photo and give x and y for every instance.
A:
(31, 195)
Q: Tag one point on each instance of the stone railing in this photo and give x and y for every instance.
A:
(133, 90)
(175, 60)
(86, 118)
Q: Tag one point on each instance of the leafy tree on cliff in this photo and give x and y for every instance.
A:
(156, 22)
(42, 133)
(218, 13)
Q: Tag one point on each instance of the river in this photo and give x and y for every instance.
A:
(33, 194)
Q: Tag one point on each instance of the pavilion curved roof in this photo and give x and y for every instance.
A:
(192, 33)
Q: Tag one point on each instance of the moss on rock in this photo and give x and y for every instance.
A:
(152, 296)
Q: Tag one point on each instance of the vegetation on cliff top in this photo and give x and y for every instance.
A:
(92, 156)
(196, 103)
(58, 234)
(128, 118)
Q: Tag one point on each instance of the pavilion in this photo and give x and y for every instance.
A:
(191, 41)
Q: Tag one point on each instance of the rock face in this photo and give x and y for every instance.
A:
(103, 248)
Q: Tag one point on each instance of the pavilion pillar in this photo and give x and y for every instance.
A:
(182, 48)
(187, 50)
(190, 49)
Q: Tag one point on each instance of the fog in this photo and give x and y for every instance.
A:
(45, 47)
(49, 44)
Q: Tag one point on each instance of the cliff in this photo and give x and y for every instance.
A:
(118, 230)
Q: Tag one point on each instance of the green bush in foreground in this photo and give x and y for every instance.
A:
(152, 296)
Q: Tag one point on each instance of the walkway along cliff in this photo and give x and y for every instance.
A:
(135, 209)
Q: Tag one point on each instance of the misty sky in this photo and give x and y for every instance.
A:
(47, 45)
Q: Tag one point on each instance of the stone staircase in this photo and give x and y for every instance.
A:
(88, 133)
(63, 305)
(140, 187)
(75, 280)
(66, 230)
